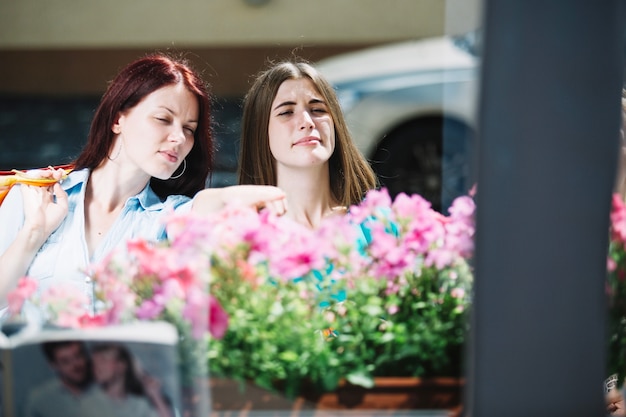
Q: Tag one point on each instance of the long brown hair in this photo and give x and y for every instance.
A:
(132, 381)
(351, 176)
(128, 88)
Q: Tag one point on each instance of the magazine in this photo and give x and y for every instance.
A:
(126, 370)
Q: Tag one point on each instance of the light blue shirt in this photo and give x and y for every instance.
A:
(64, 256)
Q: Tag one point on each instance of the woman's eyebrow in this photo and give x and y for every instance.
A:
(291, 103)
(175, 114)
(285, 103)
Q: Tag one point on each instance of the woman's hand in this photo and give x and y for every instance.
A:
(266, 197)
(44, 207)
(152, 387)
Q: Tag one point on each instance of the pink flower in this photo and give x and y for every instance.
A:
(184, 275)
(187, 231)
(460, 239)
(195, 311)
(389, 258)
(472, 191)
(147, 260)
(26, 287)
(172, 290)
(150, 309)
(66, 303)
(407, 207)
(462, 207)
(457, 293)
(460, 228)
(618, 219)
(440, 258)
(371, 205)
(86, 320)
(218, 319)
(296, 253)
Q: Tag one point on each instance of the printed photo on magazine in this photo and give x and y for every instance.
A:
(126, 370)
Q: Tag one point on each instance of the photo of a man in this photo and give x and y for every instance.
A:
(130, 370)
(64, 394)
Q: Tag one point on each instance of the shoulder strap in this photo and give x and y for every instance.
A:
(9, 178)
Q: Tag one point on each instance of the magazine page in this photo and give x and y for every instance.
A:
(128, 370)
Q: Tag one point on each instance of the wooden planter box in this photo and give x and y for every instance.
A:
(387, 394)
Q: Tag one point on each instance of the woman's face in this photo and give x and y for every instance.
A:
(157, 134)
(106, 366)
(301, 130)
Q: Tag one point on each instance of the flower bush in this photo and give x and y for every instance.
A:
(145, 281)
(616, 289)
(381, 291)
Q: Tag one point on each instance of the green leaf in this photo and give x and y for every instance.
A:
(361, 378)
(372, 310)
(288, 356)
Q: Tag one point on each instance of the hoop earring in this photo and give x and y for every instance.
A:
(116, 155)
(181, 172)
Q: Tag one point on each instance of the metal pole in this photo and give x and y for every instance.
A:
(548, 123)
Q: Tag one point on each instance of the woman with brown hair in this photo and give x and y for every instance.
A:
(294, 136)
(122, 389)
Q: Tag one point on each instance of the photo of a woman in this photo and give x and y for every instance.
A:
(123, 387)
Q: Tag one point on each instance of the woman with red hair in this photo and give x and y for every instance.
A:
(149, 152)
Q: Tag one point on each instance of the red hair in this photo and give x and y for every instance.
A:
(134, 82)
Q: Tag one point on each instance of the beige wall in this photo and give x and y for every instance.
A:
(141, 23)
(76, 46)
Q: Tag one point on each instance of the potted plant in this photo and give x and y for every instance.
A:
(383, 291)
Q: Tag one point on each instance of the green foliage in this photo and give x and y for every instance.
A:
(418, 332)
(274, 335)
(616, 287)
(276, 339)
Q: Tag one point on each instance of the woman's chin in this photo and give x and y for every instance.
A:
(162, 174)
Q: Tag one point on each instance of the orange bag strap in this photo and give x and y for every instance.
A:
(9, 178)
(67, 167)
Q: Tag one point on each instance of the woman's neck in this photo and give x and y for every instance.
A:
(110, 186)
(309, 198)
(115, 388)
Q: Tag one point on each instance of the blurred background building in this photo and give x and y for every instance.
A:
(68, 47)
(58, 55)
